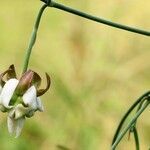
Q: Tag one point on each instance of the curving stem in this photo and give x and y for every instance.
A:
(130, 125)
(33, 38)
(144, 96)
(51, 3)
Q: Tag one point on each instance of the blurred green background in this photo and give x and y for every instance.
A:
(97, 72)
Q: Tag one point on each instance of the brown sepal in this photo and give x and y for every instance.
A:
(36, 80)
(42, 91)
(10, 73)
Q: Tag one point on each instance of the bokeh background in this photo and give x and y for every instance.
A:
(97, 72)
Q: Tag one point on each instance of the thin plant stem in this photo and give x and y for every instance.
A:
(139, 107)
(141, 103)
(133, 129)
(127, 114)
(129, 125)
(51, 3)
(33, 38)
(136, 138)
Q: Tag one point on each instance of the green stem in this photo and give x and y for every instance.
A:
(51, 3)
(33, 38)
(129, 125)
(139, 107)
(127, 114)
(133, 128)
(136, 138)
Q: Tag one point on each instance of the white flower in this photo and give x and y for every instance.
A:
(18, 112)
(20, 98)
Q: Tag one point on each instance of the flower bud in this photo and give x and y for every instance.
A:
(24, 82)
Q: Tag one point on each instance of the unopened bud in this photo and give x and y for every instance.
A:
(24, 82)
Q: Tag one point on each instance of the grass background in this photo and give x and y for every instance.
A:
(97, 72)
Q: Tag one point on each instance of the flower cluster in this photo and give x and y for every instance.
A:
(20, 97)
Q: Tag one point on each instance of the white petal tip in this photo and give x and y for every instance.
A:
(19, 126)
(8, 91)
(11, 125)
(40, 106)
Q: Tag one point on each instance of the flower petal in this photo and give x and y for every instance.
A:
(29, 98)
(20, 111)
(39, 104)
(0, 92)
(0, 89)
(8, 91)
(11, 125)
(19, 126)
